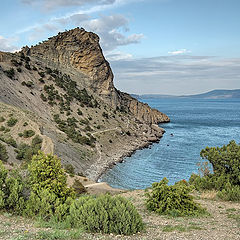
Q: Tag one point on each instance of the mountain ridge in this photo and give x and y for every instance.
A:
(214, 94)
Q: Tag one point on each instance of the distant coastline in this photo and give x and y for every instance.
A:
(214, 94)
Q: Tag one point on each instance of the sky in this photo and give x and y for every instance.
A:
(154, 46)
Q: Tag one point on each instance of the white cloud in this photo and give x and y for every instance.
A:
(176, 75)
(7, 44)
(181, 51)
(110, 29)
(53, 4)
(117, 55)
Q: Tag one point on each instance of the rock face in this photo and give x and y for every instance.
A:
(65, 86)
(79, 50)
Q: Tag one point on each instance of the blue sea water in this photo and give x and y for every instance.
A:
(195, 124)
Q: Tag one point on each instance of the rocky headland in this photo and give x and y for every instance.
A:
(63, 88)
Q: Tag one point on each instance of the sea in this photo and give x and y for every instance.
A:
(195, 124)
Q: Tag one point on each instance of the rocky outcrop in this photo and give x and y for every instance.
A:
(90, 128)
(79, 50)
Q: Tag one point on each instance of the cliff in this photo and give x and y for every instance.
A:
(80, 50)
(65, 86)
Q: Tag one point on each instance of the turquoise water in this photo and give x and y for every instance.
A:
(195, 124)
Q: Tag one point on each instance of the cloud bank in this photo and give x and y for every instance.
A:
(54, 4)
(7, 44)
(176, 75)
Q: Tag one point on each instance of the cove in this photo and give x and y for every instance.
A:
(195, 124)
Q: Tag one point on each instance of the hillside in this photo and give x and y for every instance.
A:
(62, 90)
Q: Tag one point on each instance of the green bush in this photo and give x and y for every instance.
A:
(225, 161)
(3, 153)
(11, 141)
(46, 172)
(12, 122)
(172, 200)
(28, 133)
(2, 119)
(11, 191)
(105, 214)
(10, 73)
(226, 172)
(69, 169)
(41, 204)
(230, 193)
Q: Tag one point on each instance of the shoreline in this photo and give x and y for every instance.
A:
(125, 155)
(100, 168)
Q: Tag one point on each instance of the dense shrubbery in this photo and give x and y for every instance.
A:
(12, 121)
(46, 172)
(226, 172)
(70, 128)
(11, 191)
(26, 152)
(105, 214)
(45, 194)
(3, 153)
(172, 200)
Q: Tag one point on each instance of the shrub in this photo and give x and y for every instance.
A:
(37, 140)
(11, 191)
(225, 161)
(79, 112)
(25, 152)
(12, 121)
(10, 73)
(46, 172)
(69, 169)
(41, 204)
(230, 193)
(105, 214)
(3, 153)
(28, 133)
(172, 200)
(226, 173)
(27, 66)
(11, 141)
(2, 119)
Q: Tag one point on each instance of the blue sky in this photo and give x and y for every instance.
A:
(154, 46)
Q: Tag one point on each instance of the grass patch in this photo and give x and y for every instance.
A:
(59, 234)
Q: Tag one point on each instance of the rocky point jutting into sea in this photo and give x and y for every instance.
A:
(63, 88)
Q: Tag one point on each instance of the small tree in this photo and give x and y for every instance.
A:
(225, 161)
(46, 172)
